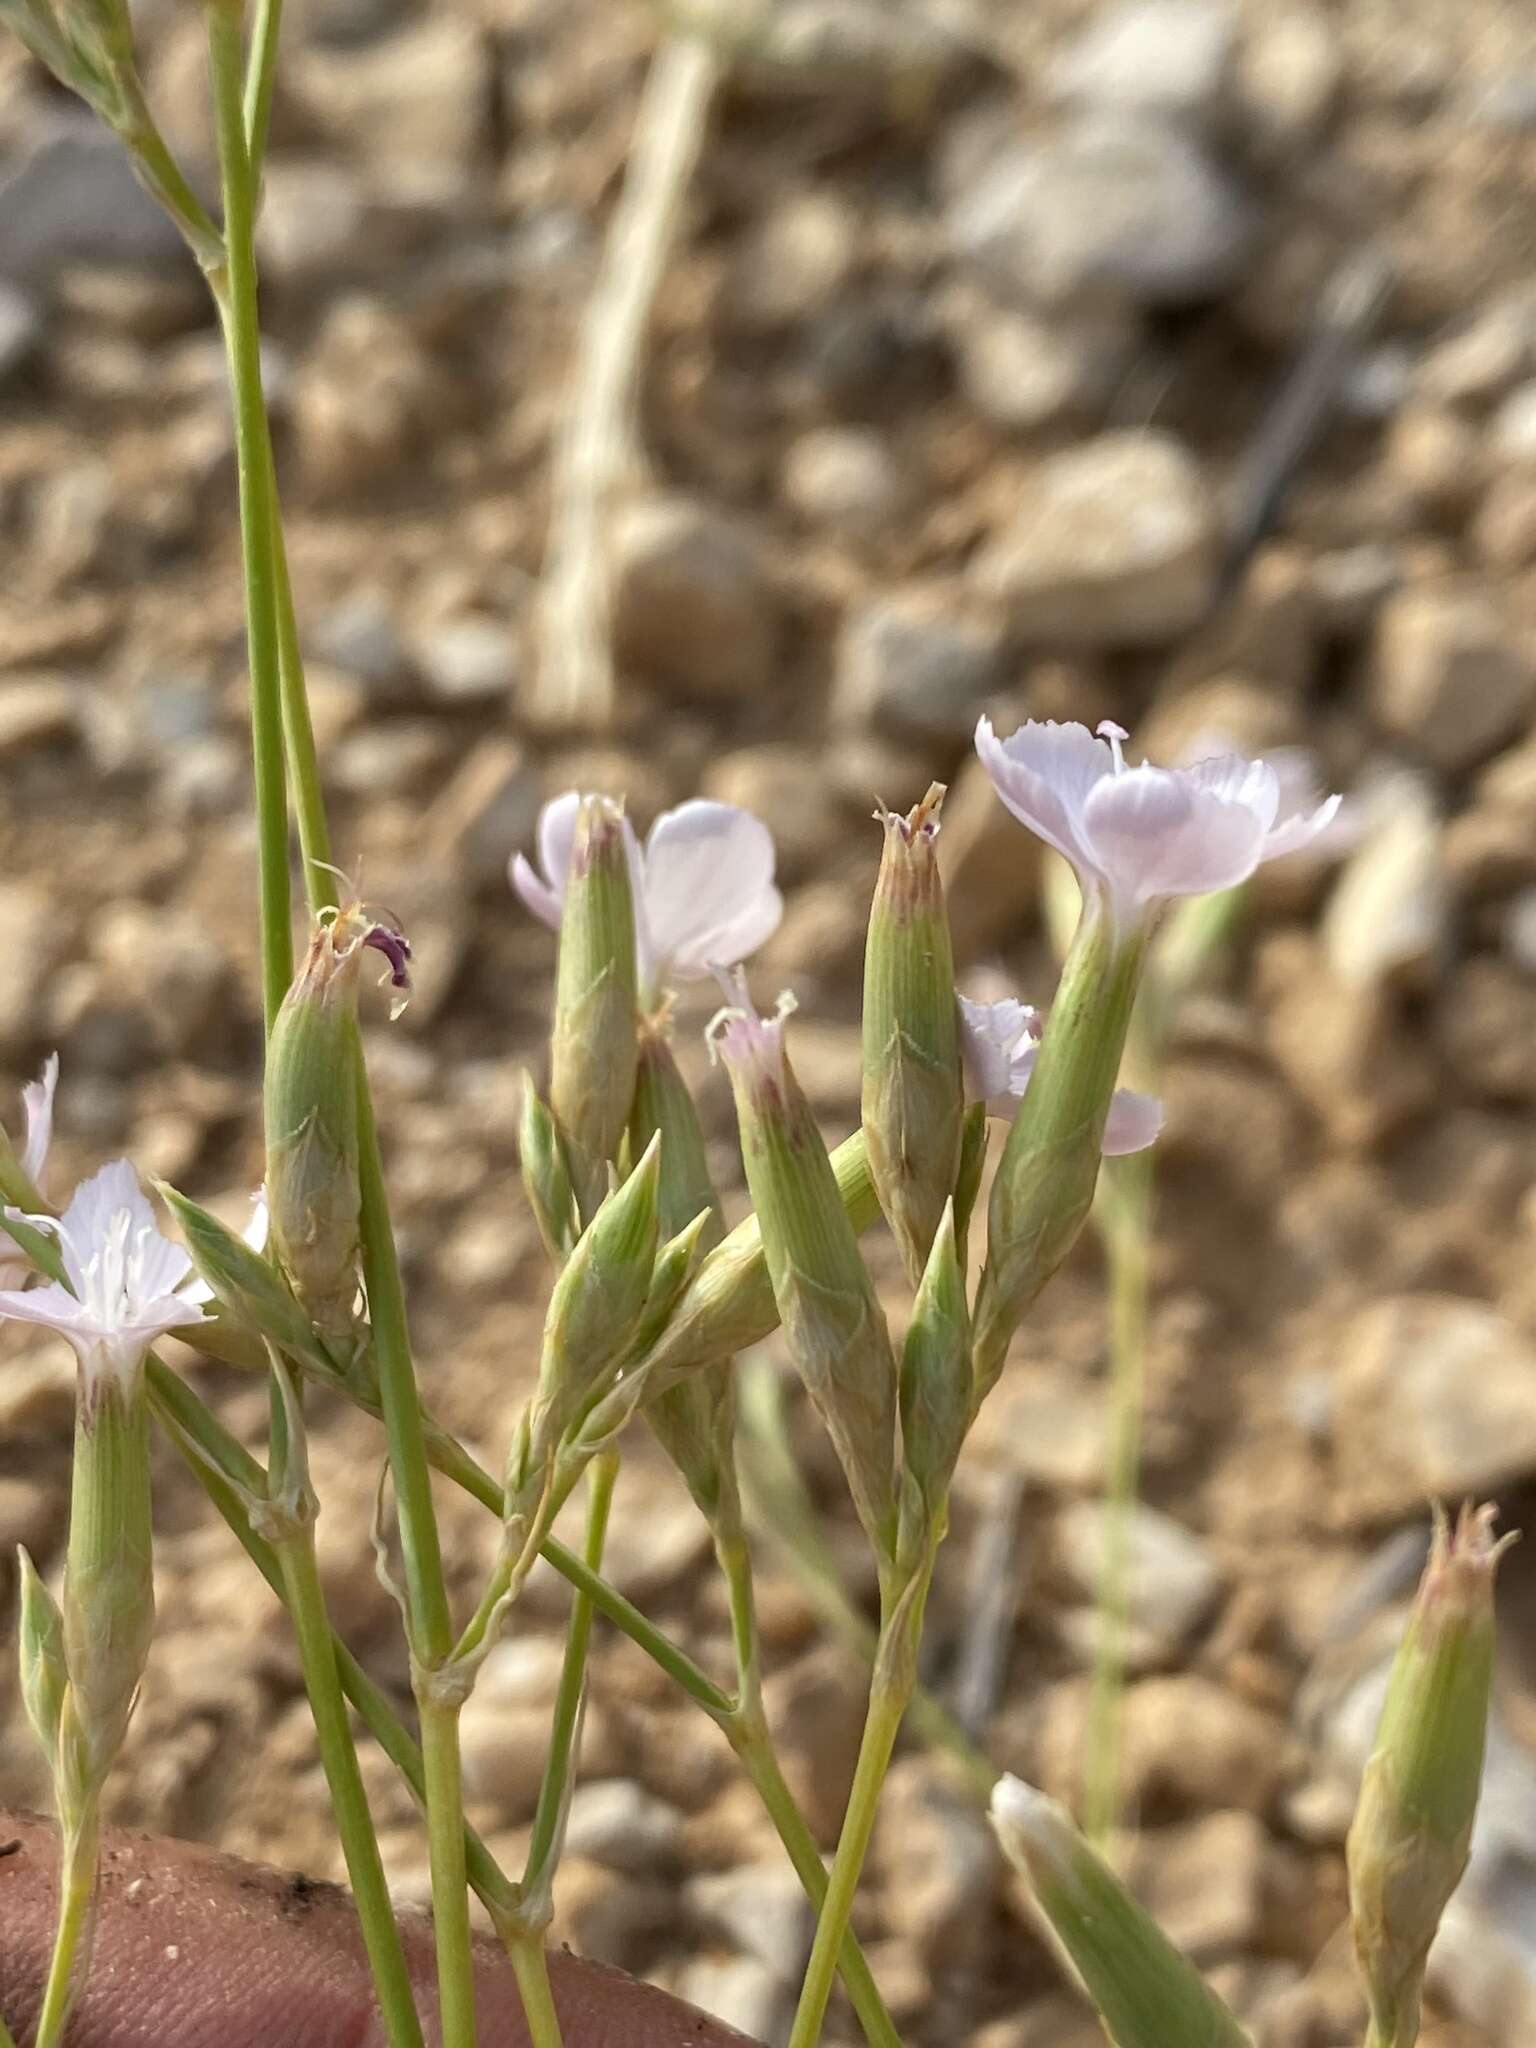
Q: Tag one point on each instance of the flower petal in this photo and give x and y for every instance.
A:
(1045, 773)
(1318, 828)
(709, 893)
(1133, 1122)
(51, 1305)
(999, 1045)
(1160, 832)
(37, 1107)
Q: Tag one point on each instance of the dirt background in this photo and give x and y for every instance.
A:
(950, 405)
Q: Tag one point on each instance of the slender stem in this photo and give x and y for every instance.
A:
(887, 1704)
(531, 1969)
(229, 1476)
(1126, 1243)
(236, 295)
(430, 1620)
(755, 1752)
(78, 1850)
(298, 730)
(260, 78)
(450, 1875)
(305, 1601)
(736, 1567)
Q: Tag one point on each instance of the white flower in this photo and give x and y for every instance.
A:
(1139, 835)
(703, 887)
(124, 1273)
(999, 1044)
(37, 1111)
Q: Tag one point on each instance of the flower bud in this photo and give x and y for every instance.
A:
(729, 1305)
(592, 1052)
(44, 1673)
(1412, 1829)
(251, 1294)
(694, 1420)
(546, 1176)
(826, 1302)
(1043, 1188)
(913, 1097)
(600, 1295)
(936, 1381)
(1145, 1992)
(311, 1118)
(108, 1604)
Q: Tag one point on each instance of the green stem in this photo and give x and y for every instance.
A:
(1126, 1243)
(450, 1876)
(887, 1704)
(426, 1595)
(736, 1567)
(79, 1847)
(531, 1968)
(236, 296)
(749, 1739)
(299, 732)
(230, 1476)
(305, 1602)
(260, 78)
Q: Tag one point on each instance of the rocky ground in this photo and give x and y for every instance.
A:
(951, 404)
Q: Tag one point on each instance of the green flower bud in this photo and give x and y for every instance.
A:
(593, 1049)
(729, 1305)
(1043, 1188)
(252, 1295)
(108, 1604)
(600, 1296)
(913, 1100)
(547, 1176)
(936, 1383)
(44, 1673)
(826, 1302)
(694, 1421)
(1412, 1829)
(1147, 1995)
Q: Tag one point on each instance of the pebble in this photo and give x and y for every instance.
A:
(1481, 361)
(1203, 1882)
(794, 264)
(72, 197)
(738, 1990)
(815, 1711)
(617, 1823)
(469, 660)
(36, 941)
(761, 1909)
(602, 1914)
(311, 227)
(415, 106)
(845, 478)
(692, 606)
(657, 1538)
(916, 662)
(1174, 1581)
(1290, 71)
(484, 813)
(1023, 372)
(363, 637)
(1113, 208)
(1172, 58)
(364, 397)
(1450, 679)
(1512, 431)
(1114, 543)
(21, 331)
(1432, 1402)
(1388, 919)
(37, 711)
(1485, 1026)
(940, 1866)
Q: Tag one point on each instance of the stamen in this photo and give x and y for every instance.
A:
(1117, 737)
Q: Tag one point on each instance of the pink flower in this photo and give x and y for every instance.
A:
(124, 1273)
(37, 1110)
(1137, 836)
(999, 1044)
(703, 887)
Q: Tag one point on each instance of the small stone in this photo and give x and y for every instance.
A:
(1113, 544)
(1519, 934)
(1290, 73)
(1174, 1582)
(1484, 1026)
(469, 660)
(762, 1910)
(844, 478)
(1118, 209)
(311, 223)
(815, 1710)
(1388, 919)
(656, 1539)
(35, 941)
(415, 106)
(1203, 1882)
(1435, 460)
(1172, 58)
(1022, 372)
(1512, 432)
(486, 812)
(1054, 1435)
(692, 606)
(1189, 1741)
(1450, 679)
(398, 759)
(1504, 531)
(36, 711)
(1432, 1403)
(738, 1990)
(1352, 584)
(72, 197)
(606, 1916)
(362, 637)
(793, 265)
(364, 398)
(21, 331)
(1343, 1047)
(160, 960)
(1478, 364)
(940, 1864)
(619, 1824)
(916, 662)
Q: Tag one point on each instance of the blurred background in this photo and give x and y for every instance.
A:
(1165, 360)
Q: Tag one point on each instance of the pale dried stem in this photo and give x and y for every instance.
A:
(598, 449)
